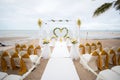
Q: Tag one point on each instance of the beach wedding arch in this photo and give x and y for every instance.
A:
(63, 31)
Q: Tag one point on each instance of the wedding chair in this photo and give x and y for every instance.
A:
(99, 46)
(87, 48)
(23, 47)
(25, 64)
(13, 77)
(17, 47)
(93, 47)
(107, 75)
(118, 56)
(37, 51)
(5, 61)
(104, 59)
(1, 52)
(112, 57)
(91, 60)
(82, 49)
(116, 69)
(3, 75)
(30, 50)
(15, 60)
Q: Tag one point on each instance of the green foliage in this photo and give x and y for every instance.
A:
(104, 7)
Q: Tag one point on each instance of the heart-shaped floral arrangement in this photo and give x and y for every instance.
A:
(63, 31)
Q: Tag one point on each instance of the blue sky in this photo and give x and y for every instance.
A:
(24, 14)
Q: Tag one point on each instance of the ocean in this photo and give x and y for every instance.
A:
(84, 34)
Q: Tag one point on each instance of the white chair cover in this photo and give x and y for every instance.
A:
(108, 75)
(74, 52)
(32, 51)
(38, 52)
(110, 58)
(87, 49)
(90, 60)
(34, 58)
(46, 51)
(3, 75)
(28, 62)
(13, 77)
(7, 59)
(17, 61)
(93, 48)
(22, 53)
(117, 56)
(103, 57)
(116, 69)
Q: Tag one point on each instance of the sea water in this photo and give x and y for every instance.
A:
(84, 34)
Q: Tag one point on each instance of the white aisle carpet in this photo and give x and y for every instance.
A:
(59, 67)
(60, 50)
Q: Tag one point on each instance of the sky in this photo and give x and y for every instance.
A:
(24, 14)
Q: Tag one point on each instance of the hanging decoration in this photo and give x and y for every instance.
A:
(78, 22)
(40, 22)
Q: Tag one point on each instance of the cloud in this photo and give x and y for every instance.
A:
(25, 13)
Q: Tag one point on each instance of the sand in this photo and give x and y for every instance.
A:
(83, 73)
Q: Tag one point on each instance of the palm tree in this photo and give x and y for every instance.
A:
(104, 7)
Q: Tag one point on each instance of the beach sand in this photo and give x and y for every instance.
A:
(37, 73)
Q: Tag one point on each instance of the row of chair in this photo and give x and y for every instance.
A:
(109, 74)
(101, 59)
(21, 59)
(89, 48)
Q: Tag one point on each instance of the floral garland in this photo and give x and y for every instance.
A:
(74, 41)
(60, 29)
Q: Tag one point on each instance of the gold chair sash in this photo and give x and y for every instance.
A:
(106, 60)
(114, 56)
(118, 56)
(29, 49)
(99, 44)
(3, 61)
(15, 55)
(89, 50)
(23, 46)
(83, 48)
(35, 50)
(23, 67)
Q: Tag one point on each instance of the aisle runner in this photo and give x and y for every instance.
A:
(59, 67)
(60, 50)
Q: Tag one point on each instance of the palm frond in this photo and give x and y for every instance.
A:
(102, 8)
(117, 5)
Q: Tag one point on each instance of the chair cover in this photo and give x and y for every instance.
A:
(5, 61)
(13, 77)
(15, 61)
(3, 75)
(23, 47)
(24, 64)
(104, 59)
(37, 51)
(82, 49)
(87, 48)
(116, 69)
(118, 56)
(17, 47)
(112, 57)
(108, 75)
(74, 52)
(30, 50)
(93, 47)
(99, 45)
(91, 60)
